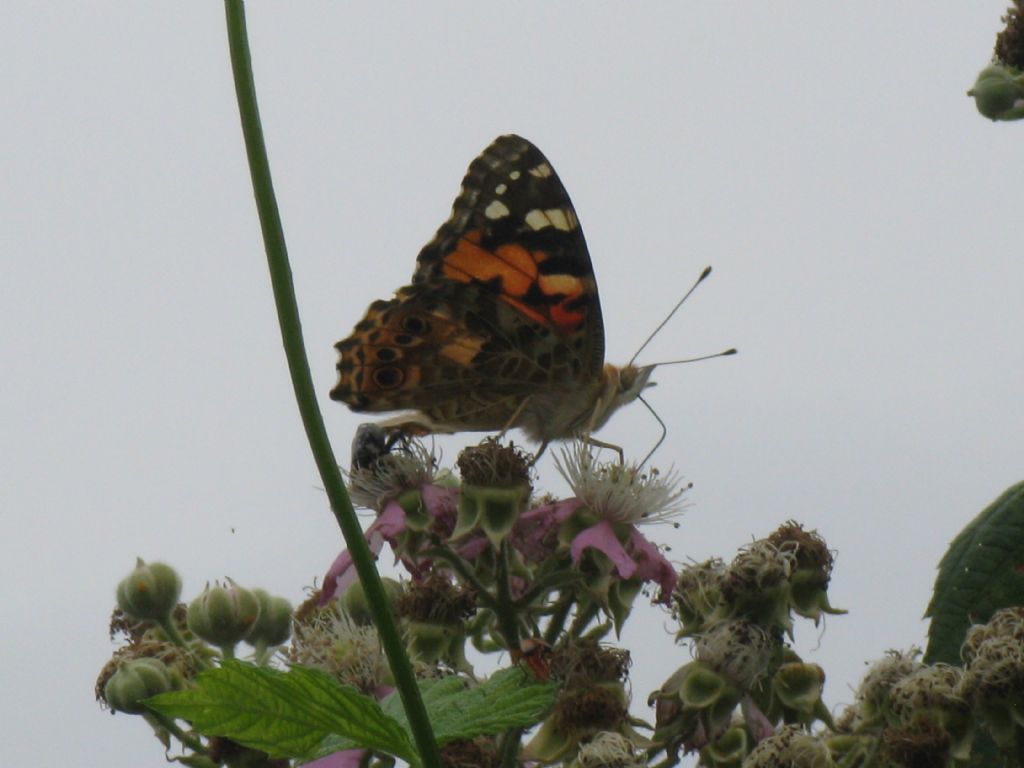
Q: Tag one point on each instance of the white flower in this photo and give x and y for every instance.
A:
(409, 466)
(621, 493)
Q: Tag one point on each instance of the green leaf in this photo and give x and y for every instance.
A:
(982, 571)
(285, 714)
(507, 699)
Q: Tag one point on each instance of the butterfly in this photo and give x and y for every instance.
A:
(501, 326)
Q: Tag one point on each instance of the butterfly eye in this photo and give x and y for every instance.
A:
(388, 378)
(415, 325)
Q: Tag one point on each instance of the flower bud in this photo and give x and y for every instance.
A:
(274, 625)
(223, 616)
(495, 490)
(136, 681)
(150, 592)
(999, 93)
(608, 749)
(697, 594)
(790, 746)
(358, 608)
(728, 749)
(799, 686)
(494, 510)
(580, 712)
(876, 687)
(431, 643)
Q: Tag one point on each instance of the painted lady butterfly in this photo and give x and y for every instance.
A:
(501, 326)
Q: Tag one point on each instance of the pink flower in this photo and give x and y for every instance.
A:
(620, 496)
(346, 758)
(437, 502)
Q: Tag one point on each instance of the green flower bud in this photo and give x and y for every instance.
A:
(703, 688)
(799, 687)
(223, 616)
(697, 594)
(495, 510)
(729, 749)
(356, 606)
(579, 713)
(999, 93)
(876, 687)
(136, 681)
(150, 592)
(274, 625)
(790, 746)
(495, 489)
(608, 749)
(430, 643)
(808, 596)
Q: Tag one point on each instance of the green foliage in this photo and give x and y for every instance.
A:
(305, 713)
(285, 714)
(979, 574)
(506, 700)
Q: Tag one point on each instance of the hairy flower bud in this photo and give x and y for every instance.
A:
(999, 93)
(150, 592)
(274, 625)
(791, 746)
(136, 681)
(223, 615)
(356, 605)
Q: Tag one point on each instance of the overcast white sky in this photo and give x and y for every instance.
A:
(863, 222)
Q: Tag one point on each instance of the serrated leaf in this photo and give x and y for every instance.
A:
(285, 714)
(982, 571)
(508, 699)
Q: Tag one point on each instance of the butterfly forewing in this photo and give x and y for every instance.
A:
(501, 325)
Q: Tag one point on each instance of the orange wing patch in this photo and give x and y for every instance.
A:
(517, 270)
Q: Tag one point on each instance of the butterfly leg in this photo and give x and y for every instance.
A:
(514, 417)
(589, 440)
(539, 452)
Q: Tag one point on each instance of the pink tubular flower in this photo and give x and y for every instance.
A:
(622, 498)
(431, 506)
(346, 758)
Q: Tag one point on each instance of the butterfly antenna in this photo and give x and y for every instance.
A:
(664, 431)
(703, 275)
(726, 353)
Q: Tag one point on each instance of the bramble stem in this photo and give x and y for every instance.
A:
(298, 367)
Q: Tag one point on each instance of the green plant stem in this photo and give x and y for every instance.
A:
(582, 619)
(156, 720)
(464, 572)
(505, 609)
(509, 747)
(557, 620)
(172, 633)
(298, 367)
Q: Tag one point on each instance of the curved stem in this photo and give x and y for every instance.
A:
(171, 631)
(557, 620)
(298, 367)
(156, 720)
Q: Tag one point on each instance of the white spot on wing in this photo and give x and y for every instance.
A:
(514, 175)
(496, 210)
(559, 219)
(501, 189)
(542, 171)
(537, 219)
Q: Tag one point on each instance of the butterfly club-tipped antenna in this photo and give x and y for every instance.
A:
(725, 353)
(698, 281)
